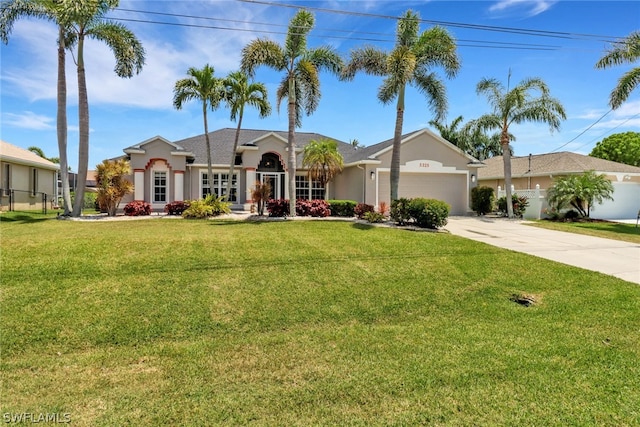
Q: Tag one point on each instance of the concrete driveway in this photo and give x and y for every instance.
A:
(612, 257)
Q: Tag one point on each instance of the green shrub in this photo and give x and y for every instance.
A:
(374, 217)
(429, 213)
(520, 204)
(361, 209)
(342, 207)
(571, 215)
(400, 211)
(176, 208)
(204, 208)
(482, 200)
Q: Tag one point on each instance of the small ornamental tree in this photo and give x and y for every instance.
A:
(580, 192)
(112, 184)
(620, 147)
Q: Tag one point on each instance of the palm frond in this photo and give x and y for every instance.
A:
(282, 93)
(626, 84)
(437, 47)
(308, 85)
(369, 59)
(625, 51)
(11, 11)
(127, 49)
(262, 52)
(296, 42)
(389, 90)
(436, 93)
(325, 58)
(407, 29)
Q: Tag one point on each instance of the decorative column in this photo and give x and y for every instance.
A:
(250, 174)
(138, 184)
(178, 194)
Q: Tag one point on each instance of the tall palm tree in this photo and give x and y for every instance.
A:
(409, 63)
(323, 160)
(203, 86)
(9, 13)
(238, 93)
(514, 106)
(85, 20)
(301, 82)
(625, 51)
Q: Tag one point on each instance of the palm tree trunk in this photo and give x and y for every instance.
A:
(61, 124)
(292, 146)
(506, 157)
(233, 154)
(397, 140)
(208, 144)
(83, 144)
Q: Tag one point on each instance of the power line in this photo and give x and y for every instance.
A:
(583, 132)
(608, 132)
(541, 33)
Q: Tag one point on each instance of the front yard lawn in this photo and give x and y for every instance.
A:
(605, 229)
(177, 322)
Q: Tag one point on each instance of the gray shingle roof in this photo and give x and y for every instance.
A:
(222, 143)
(552, 164)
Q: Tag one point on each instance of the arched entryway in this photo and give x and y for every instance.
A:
(271, 171)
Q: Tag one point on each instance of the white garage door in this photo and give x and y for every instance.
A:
(625, 204)
(450, 188)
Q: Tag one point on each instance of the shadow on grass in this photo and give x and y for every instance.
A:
(361, 226)
(24, 218)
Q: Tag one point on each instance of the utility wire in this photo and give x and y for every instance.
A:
(583, 132)
(542, 33)
(607, 132)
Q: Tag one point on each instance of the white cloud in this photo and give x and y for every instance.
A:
(28, 120)
(528, 7)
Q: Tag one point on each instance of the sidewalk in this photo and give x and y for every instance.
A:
(612, 257)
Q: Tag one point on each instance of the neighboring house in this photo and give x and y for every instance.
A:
(542, 169)
(28, 181)
(166, 171)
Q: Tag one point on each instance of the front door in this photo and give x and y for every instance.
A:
(273, 179)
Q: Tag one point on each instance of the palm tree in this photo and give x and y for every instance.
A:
(451, 132)
(300, 84)
(51, 11)
(238, 93)
(515, 106)
(625, 51)
(323, 160)
(409, 63)
(85, 19)
(204, 87)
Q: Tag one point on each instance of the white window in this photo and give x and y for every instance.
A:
(159, 186)
(219, 185)
(308, 189)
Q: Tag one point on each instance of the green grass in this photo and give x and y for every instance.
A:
(175, 322)
(607, 230)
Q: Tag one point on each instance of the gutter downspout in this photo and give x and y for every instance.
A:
(364, 182)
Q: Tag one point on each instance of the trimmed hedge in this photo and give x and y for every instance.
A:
(482, 200)
(342, 207)
(429, 213)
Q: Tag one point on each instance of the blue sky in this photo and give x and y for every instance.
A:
(124, 112)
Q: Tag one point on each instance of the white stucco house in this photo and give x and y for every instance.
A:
(165, 171)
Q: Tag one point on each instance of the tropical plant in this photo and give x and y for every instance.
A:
(176, 208)
(323, 160)
(619, 147)
(85, 19)
(580, 192)
(519, 205)
(300, 84)
(400, 210)
(52, 11)
(315, 208)
(362, 208)
(138, 208)
(239, 92)
(211, 205)
(409, 63)
(515, 106)
(260, 194)
(203, 86)
(451, 132)
(112, 184)
(374, 217)
(278, 208)
(470, 138)
(625, 51)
